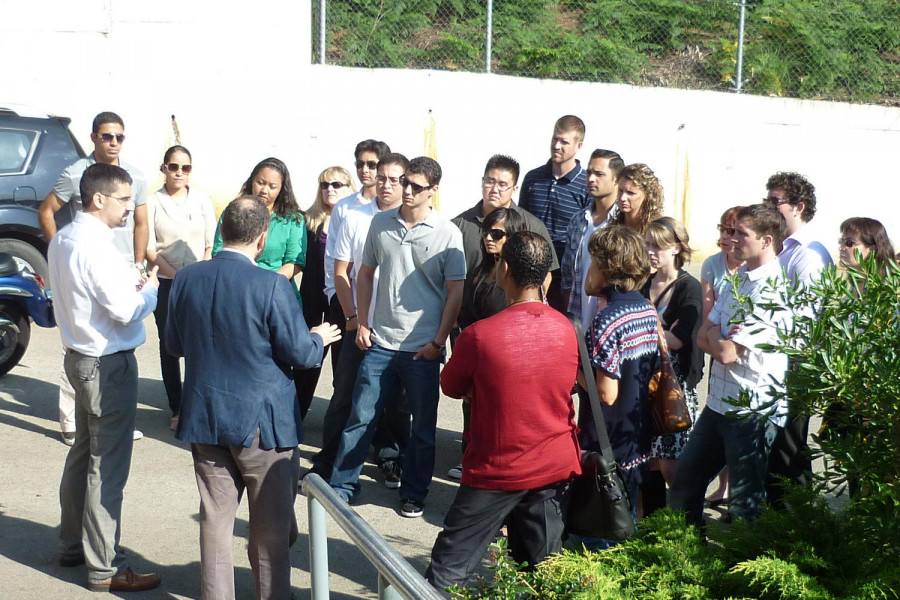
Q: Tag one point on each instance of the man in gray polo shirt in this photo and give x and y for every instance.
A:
(422, 268)
(62, 204)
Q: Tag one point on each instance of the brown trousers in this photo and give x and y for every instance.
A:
(270, 477)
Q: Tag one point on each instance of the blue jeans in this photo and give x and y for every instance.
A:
(381, 375)
(740, 443)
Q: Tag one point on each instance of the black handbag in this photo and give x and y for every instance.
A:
(599, 506)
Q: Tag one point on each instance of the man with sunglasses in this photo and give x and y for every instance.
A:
(419, 255)
(349, 243)
(803, 259)
(108, 135)
(368, 154)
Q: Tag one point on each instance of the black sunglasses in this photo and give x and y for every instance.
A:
(494, 234)
(848, 243)
(725, 230)
(416, 188)
(174, 167)
(372, 164)
(108, 137)
(324, 185)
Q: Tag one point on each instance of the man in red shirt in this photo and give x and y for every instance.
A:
(516, 369)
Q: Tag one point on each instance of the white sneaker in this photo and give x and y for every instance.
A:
(138, 434)
(455, 472)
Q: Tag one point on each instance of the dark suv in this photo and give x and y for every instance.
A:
(34, 149)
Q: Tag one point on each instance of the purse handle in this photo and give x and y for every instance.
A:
(591, 385)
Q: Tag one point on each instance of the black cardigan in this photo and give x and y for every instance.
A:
(686, 307)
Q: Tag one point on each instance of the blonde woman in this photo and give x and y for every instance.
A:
(334, 183)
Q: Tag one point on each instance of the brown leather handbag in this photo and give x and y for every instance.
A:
(668, 408)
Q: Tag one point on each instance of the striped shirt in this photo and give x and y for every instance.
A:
(623, 344)
(555, 201)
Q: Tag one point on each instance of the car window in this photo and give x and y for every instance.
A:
(16, 148)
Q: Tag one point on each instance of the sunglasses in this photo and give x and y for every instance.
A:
(324, 185)
(773, 201)
(494, 234)
(725, 230)
(371, 164)
(416, 188)
(848, 243)
(108, 137)
(175, 167)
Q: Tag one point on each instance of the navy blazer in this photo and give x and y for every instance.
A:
(240, 330)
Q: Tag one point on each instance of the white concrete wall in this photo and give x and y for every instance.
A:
(238, 78)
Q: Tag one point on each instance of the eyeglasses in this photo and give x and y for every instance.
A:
(494, 234)
(393, 180)
(490, 184)
(123, 199)
(108, 137)
(416, 188)
(324, 185)
(725, 230)
(773, 201)
(848, 243)
(371, 164)
(175, 167)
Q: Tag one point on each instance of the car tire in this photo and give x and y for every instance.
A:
(27, 256)
(15, 333)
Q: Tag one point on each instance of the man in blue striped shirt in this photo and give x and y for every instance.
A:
(556, 191)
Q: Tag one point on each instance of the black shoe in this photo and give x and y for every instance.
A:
(71, 560)
(412, 509)
(392, 471)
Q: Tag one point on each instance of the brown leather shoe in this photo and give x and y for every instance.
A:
(127, 581)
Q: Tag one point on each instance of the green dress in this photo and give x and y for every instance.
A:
(285, 244)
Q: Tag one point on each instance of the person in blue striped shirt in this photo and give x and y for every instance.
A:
(557, 190)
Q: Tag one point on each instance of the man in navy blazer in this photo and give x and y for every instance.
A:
(241, 330)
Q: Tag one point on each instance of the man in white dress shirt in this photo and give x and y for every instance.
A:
(100, 303)
(803, 259)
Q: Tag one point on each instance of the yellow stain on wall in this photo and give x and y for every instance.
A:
(431, 151)
(681, 195)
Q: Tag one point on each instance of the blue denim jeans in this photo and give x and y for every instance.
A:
(740, 443)
(381, 375)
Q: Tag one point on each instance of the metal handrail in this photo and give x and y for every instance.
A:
(404, 581)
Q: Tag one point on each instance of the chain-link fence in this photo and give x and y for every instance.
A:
(845, 50)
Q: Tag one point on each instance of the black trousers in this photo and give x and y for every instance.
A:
(306, 380)
(535, 524)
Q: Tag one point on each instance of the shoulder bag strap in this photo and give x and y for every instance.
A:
(591, 385)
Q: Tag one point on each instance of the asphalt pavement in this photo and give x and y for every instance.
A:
(160, 523)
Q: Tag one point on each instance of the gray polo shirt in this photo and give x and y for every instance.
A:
(414, 266)
(67, 190)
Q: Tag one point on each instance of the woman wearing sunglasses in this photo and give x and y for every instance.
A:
(334, 183)
(861, 237)
(182, 224)
(714, 275)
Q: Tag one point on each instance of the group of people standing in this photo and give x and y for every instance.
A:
(387, 282)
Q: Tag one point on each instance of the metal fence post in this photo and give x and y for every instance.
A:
(318, 549)
(322, 40)
(489, 36)
(740, 48)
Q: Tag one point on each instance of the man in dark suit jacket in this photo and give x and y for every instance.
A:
(240, 330)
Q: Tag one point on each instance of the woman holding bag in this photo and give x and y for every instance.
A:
(678, 298)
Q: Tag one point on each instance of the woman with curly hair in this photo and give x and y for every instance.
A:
(640, 197)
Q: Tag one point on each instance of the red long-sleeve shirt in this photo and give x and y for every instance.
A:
(518, 367)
